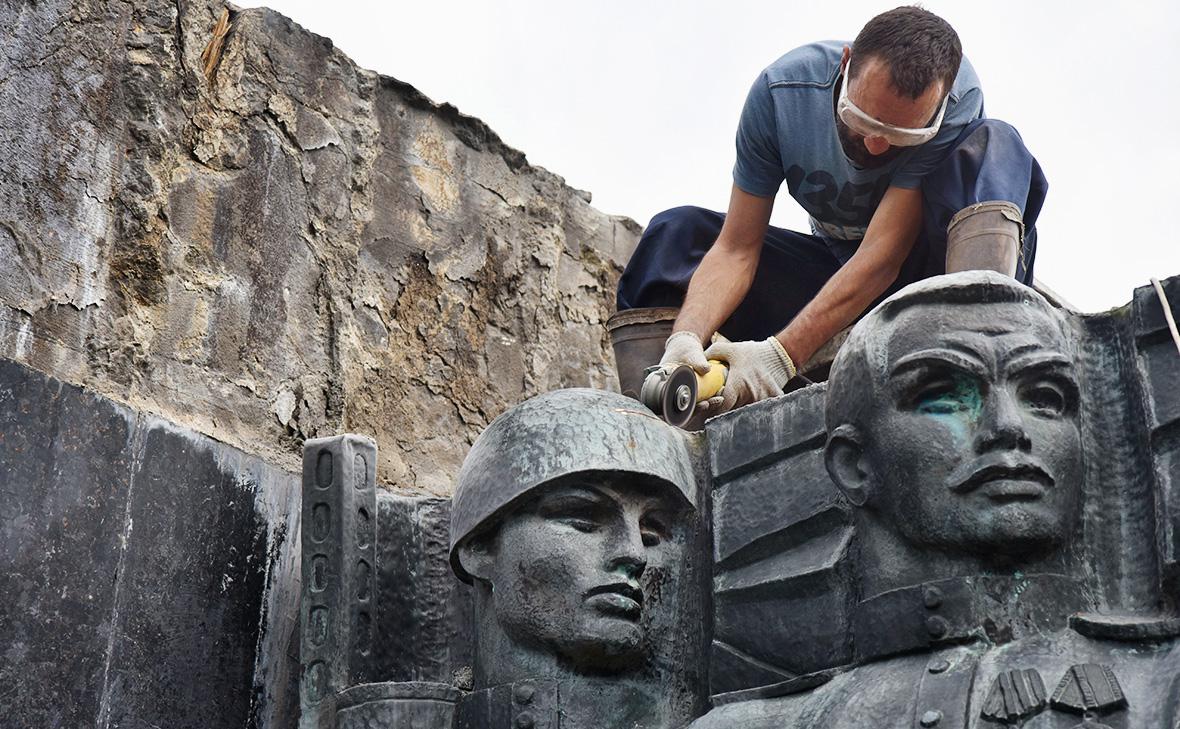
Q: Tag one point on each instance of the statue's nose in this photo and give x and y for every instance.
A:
(627, 553)
(1002, 425)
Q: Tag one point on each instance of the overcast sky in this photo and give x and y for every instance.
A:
(637, 102)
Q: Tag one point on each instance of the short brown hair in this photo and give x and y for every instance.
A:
(919, 47)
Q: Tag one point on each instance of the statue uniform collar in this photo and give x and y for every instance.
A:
(998, 609)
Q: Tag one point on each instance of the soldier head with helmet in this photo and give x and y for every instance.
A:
(569, 514)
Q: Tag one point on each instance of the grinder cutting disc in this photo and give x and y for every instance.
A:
(670, 392)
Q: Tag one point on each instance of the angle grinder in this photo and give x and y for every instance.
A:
(672, 391)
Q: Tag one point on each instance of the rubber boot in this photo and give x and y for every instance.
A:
(985, 236)
(638, 336)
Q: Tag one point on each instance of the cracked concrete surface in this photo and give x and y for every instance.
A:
(296, 248)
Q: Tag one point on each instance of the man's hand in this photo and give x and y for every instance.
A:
(757, 370)
(685, 348)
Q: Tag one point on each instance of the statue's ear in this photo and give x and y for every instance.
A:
(477, 557)
(844, 457)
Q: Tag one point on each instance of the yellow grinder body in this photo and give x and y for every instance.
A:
(673, 391)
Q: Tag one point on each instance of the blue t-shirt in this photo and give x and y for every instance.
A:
(788, 132)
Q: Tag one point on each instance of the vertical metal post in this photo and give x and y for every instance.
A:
(338, 608)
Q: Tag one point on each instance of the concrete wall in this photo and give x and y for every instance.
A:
(291, 247)
(150, 574)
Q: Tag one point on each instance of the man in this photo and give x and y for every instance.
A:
(574, 521)
(884, 144)
(954, 431)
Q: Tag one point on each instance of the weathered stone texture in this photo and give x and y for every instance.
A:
(425, 624)
(295, 248)
(150, 574)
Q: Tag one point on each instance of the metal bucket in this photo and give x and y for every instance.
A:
(638, 336)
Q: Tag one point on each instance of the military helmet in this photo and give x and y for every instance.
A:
(557, 434)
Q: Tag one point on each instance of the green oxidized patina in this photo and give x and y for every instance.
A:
(961, 397)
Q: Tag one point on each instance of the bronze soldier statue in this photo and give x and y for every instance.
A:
(954, 431)
(574, 519)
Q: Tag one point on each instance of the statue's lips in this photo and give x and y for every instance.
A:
(620, 598)
(1013, 490)
(1004, 479)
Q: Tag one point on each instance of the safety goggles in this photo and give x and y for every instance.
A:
(862, 123)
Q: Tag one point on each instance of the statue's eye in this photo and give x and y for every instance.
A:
(654, 530)
(582, 514)
(1046, 398)
(939, 398)
(579, 523)
(938, 401)
(946, 394)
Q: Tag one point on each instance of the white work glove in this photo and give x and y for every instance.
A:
(684, 347)
(757, 370)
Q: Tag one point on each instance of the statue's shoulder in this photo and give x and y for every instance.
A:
(778, 705)
(753, 714)
(836, 699)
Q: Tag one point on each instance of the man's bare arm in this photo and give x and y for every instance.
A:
(875, 265)
(727, 270)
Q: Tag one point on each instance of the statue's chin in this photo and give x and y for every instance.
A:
(607, 644)
(1015, 530)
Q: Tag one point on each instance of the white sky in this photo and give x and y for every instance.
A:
(638, 101)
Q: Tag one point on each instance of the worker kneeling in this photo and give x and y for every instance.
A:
(885, 145)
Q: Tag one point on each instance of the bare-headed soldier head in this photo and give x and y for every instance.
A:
(953, 420)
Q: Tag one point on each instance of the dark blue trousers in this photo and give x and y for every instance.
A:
(987, 162)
